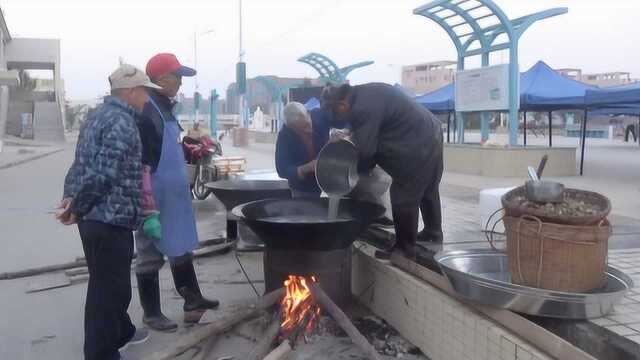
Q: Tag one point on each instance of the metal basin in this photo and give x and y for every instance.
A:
(303, 224)
(235, 192)
(483, 276)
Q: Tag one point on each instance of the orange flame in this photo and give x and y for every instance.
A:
(298, 304)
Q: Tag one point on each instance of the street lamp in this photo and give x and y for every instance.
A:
(196, 35)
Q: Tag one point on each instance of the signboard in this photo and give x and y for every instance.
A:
(484, 89)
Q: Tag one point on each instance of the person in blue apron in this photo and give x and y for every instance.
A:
(163, 154)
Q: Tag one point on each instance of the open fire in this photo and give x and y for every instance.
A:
(299, 308)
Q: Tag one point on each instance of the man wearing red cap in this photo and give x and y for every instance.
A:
(159, 132)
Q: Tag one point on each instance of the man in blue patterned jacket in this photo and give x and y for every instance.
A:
(102, 194)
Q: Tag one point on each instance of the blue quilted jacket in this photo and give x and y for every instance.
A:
(105, 180)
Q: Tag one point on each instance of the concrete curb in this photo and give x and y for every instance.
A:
(29, 159)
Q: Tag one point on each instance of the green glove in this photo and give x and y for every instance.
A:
(151, 226)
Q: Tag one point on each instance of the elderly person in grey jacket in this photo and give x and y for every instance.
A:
(102, 194)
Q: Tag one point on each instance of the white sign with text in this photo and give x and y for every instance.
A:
(483, 89)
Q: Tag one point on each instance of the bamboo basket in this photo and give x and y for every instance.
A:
(558, 257)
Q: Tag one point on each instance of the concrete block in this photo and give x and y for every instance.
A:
(507, 162)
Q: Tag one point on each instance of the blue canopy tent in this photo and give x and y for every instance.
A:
(440, 101)
(617, 97)
(541, 89)
(544, 89)
(312, 104)
(616, 100)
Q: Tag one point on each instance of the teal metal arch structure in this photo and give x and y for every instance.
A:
(476, 27)
(328, 70)
(277, 92)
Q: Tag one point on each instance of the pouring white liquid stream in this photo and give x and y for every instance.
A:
(334, 205)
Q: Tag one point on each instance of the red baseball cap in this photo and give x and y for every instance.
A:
(165, 63)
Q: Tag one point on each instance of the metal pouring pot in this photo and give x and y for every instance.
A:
(337, 168)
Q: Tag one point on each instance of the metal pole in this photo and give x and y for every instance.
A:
(213, 113)
(455, 126)
(550, 129)
(448, 127)
(514, 96)
(195, 65)
(524, 129)
(241, 104)
(584, 138)
(638, 132)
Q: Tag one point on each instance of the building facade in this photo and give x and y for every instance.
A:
(44, 102)
(605, 79)
(427, 77)
(260, 95)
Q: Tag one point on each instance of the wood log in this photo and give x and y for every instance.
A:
(209, 344)
(227, 320)
(281, 352)
(41, 270)
(203, 250)
(341, 318)
(212, 249)
(77, 271)
(263, 347)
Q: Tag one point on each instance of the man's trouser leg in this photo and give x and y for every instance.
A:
(404, 206)
(148, 263)
(430, 205)
(150, 259)
(405, 222)
(108, 250)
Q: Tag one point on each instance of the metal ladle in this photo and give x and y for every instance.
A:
(543, 191)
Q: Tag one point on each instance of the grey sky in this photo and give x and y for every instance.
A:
(596, 36)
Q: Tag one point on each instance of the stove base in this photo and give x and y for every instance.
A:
(331, 268)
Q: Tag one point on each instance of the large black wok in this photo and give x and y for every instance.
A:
(235, 192)
(303, 224)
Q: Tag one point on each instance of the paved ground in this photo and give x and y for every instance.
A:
(49, 324)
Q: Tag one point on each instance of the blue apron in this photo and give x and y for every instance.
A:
(172, 194)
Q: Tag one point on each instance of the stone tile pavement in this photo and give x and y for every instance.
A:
(461, 227)
(625, 319)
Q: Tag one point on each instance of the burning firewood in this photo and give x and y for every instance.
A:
(298, 307)
(341, 318)
(228, 319)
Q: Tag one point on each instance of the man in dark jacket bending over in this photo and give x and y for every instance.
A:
(404, 139)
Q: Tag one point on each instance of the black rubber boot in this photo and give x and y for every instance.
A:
(149, 290)
(432, 236)
(383, 221)
(184, 277)
(406, 226)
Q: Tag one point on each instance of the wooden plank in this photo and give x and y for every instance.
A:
(533, 333)
(212, 249)
(228, 318)
(48, 283)
(77, 271)
(79, 278)
(41, 270)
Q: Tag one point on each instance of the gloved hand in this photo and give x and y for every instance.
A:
(151, 226)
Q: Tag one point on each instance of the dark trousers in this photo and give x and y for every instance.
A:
(406, 200)
(631, 129)
(107, 326)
